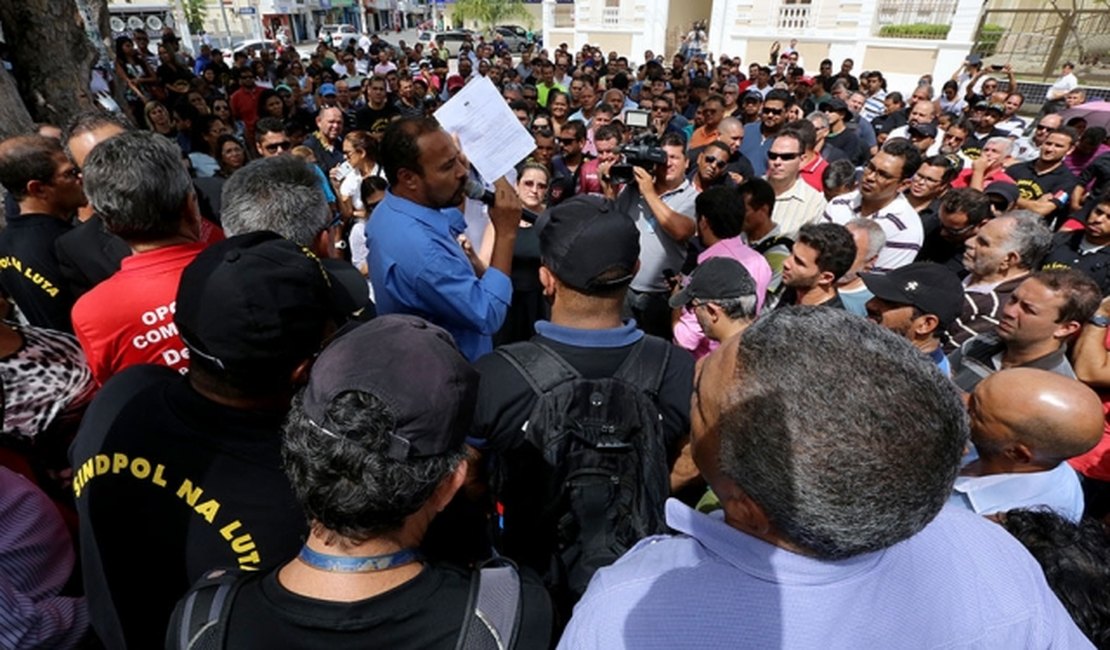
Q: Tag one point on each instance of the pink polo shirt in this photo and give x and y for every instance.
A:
(687, 331)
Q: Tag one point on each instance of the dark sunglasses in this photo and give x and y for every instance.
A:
(771, 155)
(284, 145)
(568, 140)
(715, 161)
(774, 111)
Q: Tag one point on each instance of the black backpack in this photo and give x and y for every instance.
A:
(603, 439)
(492, 611)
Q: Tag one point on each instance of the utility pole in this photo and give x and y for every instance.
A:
(227, 25)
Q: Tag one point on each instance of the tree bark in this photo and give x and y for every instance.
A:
(14, 118)
(52, 55)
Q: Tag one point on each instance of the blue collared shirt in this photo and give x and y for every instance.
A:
(961, 581)
(1056, 488)
(417, 267)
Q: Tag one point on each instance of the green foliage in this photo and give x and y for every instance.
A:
(916, 30)
(490, 13)
(988, 38)
(195, 13)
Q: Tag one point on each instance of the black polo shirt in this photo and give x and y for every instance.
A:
(1066, 253)
(169, 484)
(1033, 185)
(29, 270)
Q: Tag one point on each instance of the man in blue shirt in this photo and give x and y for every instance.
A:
(417, 265)
(832, 532)
(759, 135)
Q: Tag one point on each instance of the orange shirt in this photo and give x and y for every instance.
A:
(701, 137)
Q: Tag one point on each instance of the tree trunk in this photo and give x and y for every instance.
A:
(52, 55)
(14, 119)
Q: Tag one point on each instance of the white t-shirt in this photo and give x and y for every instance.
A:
(351, 187)
(1062, 87)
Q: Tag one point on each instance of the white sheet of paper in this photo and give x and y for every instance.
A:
(491, 137)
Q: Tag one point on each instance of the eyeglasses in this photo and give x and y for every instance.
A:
(284, 145)
(771, 155)
(536, 184)
(774, 111)
(715, 161)
(530, 98)
(660, 109)
(568, 140)
(927, 180)
(870, 168)
(959, 231)
(1042, 128)
(73, 173)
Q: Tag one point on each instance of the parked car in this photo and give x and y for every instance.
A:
(338, 36)
(515, 36)
(253, 47)
(453, 39)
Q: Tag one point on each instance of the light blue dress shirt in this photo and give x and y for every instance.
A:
(418, 267)
(961, 582)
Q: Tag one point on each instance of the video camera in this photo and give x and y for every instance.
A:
(643, 152)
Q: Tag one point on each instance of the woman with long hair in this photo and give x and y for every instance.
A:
(207, 130)
(528, 303)
(174, 76)
(361, 152)
(158, 119)
(558, 102)
(270, 104)
(231, 155)
(132, 68)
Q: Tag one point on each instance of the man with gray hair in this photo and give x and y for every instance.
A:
(998, 258)
(830, 490)
(723, 297)
(282, 194)
(870, 239)
(139, 188)
(989, 167)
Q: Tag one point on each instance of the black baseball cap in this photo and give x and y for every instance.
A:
(413, 367)
(932, 288)
(258, 302)
(1007, 191)
(753, 95)
(926, 130)
(836, 104)
(586, 237)
(717, 278)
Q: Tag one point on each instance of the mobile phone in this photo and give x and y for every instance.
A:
(996, 67)
(345, 169)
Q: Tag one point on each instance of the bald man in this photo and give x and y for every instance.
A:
(1025, 423)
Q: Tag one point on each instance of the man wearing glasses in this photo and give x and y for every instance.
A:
(796, 202)
(30, 273)
(879, 197)
(758, 136)
(663, 118)
(710, 168)
(244, 103)
(1029, 148)
(961, 214)
(713, 111)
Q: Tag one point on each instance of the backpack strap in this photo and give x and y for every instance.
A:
(768, 244)
(646, 364)
(206, 609)
(493, 609)
(540, 366)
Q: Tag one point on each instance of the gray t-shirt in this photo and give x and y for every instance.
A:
(658, 251)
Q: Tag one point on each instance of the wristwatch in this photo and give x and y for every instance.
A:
(1099, 321)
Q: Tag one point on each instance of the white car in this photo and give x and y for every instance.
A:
(338, 36)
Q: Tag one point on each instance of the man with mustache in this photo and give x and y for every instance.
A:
(417, 265)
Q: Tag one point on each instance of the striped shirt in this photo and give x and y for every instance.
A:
(799, 206)
(900, 222)
(36, 560)
(874, 106)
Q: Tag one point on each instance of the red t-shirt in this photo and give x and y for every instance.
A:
(128, 318)
(963, 179)
(1096, 462)
(244, 107)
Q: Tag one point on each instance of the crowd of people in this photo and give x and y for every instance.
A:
(736, 357)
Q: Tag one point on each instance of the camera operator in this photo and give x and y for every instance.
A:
(661, 202)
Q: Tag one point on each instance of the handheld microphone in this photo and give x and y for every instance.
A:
(475, 190)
